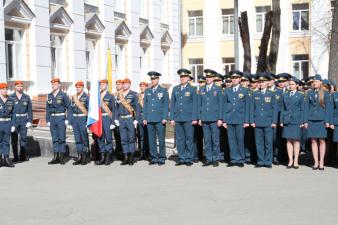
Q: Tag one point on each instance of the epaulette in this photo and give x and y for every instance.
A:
(301, 92)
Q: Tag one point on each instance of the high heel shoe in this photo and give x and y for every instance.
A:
(315, 167)
(321, 168)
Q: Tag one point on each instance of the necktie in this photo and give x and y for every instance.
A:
(235, 89)
(208, 89)
(154, 90)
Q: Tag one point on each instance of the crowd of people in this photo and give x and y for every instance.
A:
(241, 118)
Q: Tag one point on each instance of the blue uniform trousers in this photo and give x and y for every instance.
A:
(236, 143)
(80, 133)
(5, 133)
(264, 145)
(184, 141)
(106, 140)
(157, 131)
(58, 132)
(211, 141)
(20, 129)
(127, 133)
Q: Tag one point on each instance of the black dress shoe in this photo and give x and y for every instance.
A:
(215, 164)
(83, 158)
(7, 162)
(321, 168)
(152, 163)
(240, 165)
(296, 167)
(131, 159)
(62, 158)
(288, 167)
(248, 162)
(107, 159)
(179, 164)
(196, 161)
(259, 166)
(55, 159)
(161, 163)
(16, 159)
(315, 167)
(276, 162)
(268, 166)
(207, 164)
(188, 164)
(230, 164)
(101, 161)
(125, 160)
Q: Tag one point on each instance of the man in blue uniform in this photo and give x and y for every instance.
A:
(6, 125)
(142, 133)
(79, 109)
(108, 111)
(184, 115)
(155, 115)
(57, 105)
(210, 105)
(263, 118)
(127, 116)
(23, 120)
(236, 118)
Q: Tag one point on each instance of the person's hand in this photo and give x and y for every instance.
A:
(327, 125)
(282, 125)
(219, 123)
(66, 122)
(253, 125)
(28, 125)
(245, 125)
(172, 122)
(48, 124)
(225, 125)
(12, 129)
(70, 127)
(200, 122)
(273, 125)
(306, 125)
(164, 122)
(194, 122)
(145, 122)
(112, 127)
(135, 123)
(117, 123)
(332, 127)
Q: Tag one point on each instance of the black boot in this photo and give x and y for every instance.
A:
(83, 158)
(131, 159)
(23, 156)
(107, 159)
(101, 162)
(55, 159)
(1, 161)
(78, 159)
(125, 160)
(62, 158)
(15, 153)
(7, 162)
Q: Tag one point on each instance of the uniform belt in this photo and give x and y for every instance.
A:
(5, 119)
(21, 115)
(104, 114)
(79, 115)
(125, 117)
(58, 114)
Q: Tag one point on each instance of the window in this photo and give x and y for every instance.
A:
(228, 21)
(13, 53)
(260, 17)
(228, 65)
(56, 55)
(90, 57)
(163, 10)
(300, 13)
(119, 6)
(300, 66)
(196, 68)
(144, 9)
(195, 23)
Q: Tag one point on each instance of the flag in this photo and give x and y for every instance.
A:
(94, 120)
(110, 72)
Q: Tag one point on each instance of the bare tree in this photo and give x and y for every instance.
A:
(245, 36)
(333, 62)
(274, 45)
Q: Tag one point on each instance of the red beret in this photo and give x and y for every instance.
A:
(119, 81)
(125, 81)
(3, 85)
(104, 81)
(18, 82)
(143, 84)
(55, 80)
(79, 84)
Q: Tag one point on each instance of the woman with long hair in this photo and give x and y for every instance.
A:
(317, 117)
(292, 120)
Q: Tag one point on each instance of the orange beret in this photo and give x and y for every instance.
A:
(79, 84)
(18, 82)
(125, 81)
(104, 81)
(119, 81)
(3, 85)
(55, 80)
(143, 84)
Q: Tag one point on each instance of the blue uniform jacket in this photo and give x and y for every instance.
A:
(184, 104)
(236, 106)
(58, 104)
(264, 109)
(334, 111)
(314, 111)
(156, 104)
(6, 109)
(84, 100)
(22, 106)
(292, 108)
(210, 103)
(132, 98)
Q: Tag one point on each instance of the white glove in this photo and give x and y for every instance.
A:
(48, 124)
(112, 127)
(117, 123)
(12, 129)
(28, 125)
(66, 122)
(135, 123)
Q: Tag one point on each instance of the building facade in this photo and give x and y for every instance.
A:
(69, 39)
(208, 35)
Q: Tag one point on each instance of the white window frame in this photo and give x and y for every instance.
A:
(229, 16)
(194, 68)
(300, 12)
(299, 63)
(16, 56)
(228, 66)
(194, 18)
(263, 15)
(57, 66)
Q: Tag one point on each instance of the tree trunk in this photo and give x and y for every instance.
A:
(274, 45)
(263, 48)
(245, 36)
(333, 62)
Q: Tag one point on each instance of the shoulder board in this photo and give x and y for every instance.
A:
(272, 90)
